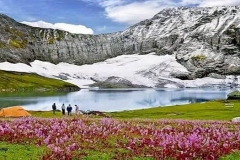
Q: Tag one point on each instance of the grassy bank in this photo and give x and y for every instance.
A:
(16, 81)
(46, 114)
(212, 110)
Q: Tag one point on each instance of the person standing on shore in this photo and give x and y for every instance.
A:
(76, 109)
(54, 108)
(69, 109)
(63, 109)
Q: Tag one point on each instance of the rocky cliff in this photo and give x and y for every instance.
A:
(204, 40)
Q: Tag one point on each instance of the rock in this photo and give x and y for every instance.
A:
(164, 83)
(217, 76)
(233, 95)
(119, 80)
(182, 76)
(116, 82)
(236, 119)
(63, 76)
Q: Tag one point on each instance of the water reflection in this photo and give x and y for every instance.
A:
(115, 100)
(189, 100)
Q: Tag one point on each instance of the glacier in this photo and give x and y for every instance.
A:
(148, 70)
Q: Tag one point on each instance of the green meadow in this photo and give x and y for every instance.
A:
(211, 110)
(223, 110)
(16, 81)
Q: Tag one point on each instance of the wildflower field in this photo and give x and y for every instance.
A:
(107, 138)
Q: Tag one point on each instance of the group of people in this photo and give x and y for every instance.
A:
(69, 109)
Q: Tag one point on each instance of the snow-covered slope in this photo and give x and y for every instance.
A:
(148, 70)
(206, 41)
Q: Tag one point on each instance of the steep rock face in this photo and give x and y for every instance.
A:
(204, 40)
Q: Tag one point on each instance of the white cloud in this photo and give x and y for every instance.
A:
(133, 11)
(211, 3)
(190, 2)
(107, 3)
(78, 29)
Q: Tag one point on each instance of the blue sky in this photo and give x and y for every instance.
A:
(101, 16)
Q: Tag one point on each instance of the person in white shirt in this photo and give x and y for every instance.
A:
(76, 109)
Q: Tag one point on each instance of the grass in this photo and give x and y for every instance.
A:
(17, 43)
(10, 151)
(46, 114)
(51, 40)
(32, 94)
(20, 152)
(200, 57)
(232, 156)
(212, 110)
(97, 155)
(49, 114)
(2, 44)
(15, 81)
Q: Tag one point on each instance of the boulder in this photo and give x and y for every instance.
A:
(116, 82)
(236, 119)
(217, 76)
(233, 95)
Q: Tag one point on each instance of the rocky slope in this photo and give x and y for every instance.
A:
(204, 40)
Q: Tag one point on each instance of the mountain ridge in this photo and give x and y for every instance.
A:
(204, 40)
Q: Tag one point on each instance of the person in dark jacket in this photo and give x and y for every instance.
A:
(69, 109)
(54, 108)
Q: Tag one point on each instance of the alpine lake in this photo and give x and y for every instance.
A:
(109, 100)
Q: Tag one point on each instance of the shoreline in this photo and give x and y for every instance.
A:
(210, 110)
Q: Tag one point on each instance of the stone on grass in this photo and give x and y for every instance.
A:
(236, 119)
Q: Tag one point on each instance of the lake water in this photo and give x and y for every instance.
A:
(115, 100)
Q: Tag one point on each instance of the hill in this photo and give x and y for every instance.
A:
(16, 81)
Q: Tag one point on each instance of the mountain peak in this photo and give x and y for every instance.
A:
(197, 10)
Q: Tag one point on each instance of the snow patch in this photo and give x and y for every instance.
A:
(170, 86)
(145, 70)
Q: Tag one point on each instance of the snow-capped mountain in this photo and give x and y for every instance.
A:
(205, 41)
